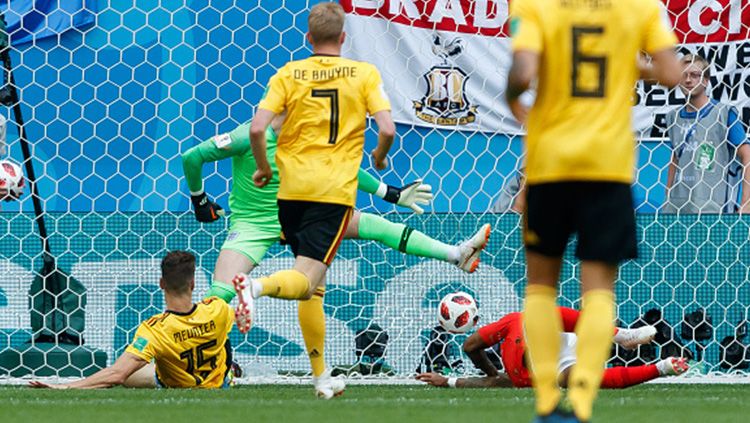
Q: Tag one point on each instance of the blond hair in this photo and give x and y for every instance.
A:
(691, 59)
(326, 23)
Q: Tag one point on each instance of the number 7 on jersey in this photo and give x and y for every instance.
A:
(333, 96)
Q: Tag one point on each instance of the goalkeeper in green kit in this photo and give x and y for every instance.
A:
(254, 224)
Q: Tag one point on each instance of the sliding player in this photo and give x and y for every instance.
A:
(507, 334)
(188, 343)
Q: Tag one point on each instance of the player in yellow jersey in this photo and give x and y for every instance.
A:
(580, 158)
(326, 99)
(188, 343)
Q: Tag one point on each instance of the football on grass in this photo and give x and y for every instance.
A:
(457, 312)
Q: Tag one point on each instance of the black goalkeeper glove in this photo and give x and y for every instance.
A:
(410, 195)
(206, 211)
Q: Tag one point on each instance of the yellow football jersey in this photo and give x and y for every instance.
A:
(319, 149)
(189, 349)
(580, 125)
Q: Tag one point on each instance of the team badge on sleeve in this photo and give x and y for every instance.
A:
(140, 343)
(515, 23)
(223, 141)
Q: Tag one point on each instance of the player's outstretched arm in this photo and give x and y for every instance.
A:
(435, 379)
(659, 41)
(523, 72)
(411, 195)
(474, 347)
(214, 149)
(386, 134)
(663, 68)
(115, 374)
(258, 127)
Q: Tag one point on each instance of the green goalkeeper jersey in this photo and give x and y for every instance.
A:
(247, 202)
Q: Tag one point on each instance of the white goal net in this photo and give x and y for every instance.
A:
(113, 92)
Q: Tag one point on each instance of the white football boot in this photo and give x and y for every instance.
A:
(469, 249)
(327, 387)
(245, 311)
(632, 338)
(672, 366)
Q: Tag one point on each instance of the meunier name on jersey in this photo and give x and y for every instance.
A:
(188, 349)
(194, 332)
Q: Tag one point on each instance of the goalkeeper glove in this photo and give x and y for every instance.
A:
(410, 195)
(206, 211)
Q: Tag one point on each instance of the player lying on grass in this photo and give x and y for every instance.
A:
(188, 343)
(507, 333)
(254, 223)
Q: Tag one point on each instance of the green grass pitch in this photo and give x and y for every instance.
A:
(382, 404)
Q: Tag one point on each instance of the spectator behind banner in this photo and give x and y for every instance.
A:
(710, 150)
(512, 197)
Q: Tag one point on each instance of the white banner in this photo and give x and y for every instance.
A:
(445, 62)
(436, 78)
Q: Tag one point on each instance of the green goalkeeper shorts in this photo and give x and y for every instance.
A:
(251, 239)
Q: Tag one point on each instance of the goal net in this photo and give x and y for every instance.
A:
(113, 92)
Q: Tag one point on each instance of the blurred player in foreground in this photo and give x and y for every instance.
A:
(188, 343)
(507, 334)
(580, 161)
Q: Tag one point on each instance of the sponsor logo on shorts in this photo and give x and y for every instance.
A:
(232, 236)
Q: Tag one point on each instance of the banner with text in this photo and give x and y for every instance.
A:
(445, 62)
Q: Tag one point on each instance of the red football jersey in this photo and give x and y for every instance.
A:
(508, 332)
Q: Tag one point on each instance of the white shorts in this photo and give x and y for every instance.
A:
(567, 351)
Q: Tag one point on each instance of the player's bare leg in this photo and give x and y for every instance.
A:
(145, 377)
(595, 330)
(229, 264)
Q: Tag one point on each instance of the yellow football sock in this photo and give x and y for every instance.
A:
(312, 321)
(594, 330)
(288, 284)
(542, 328)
